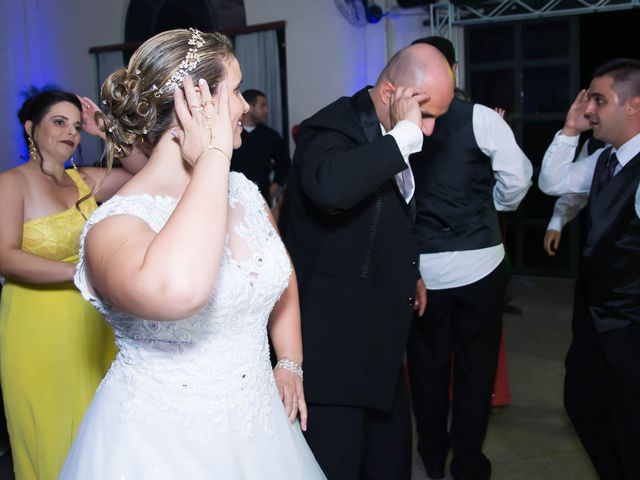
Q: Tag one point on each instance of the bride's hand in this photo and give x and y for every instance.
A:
(292, 395)
(205, 125)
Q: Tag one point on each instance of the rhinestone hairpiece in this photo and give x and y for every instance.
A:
(188, 64)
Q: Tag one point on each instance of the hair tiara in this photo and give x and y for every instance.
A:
(188, 64)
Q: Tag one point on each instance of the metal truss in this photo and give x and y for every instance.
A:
(443, 16)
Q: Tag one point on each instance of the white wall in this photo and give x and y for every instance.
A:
(326, 56)
(47, 41)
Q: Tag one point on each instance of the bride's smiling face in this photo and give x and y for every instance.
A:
(237, 104)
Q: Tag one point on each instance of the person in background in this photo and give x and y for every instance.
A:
(467, 171)
(54, 346)
(565, 209)
(262, 157)
(568, 206)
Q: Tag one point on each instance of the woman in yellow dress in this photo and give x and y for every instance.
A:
(54, 347)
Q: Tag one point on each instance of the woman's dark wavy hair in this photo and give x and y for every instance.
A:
(36, 107)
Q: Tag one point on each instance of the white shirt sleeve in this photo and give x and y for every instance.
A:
(409, 138)
(566, 209)
(559, 174)
(511, 167)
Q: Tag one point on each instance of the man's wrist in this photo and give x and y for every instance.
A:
(408, 136)
(555, 224)
(570, 131)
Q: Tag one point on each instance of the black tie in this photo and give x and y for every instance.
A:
(611, 166)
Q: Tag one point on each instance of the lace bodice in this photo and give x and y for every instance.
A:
(216, 363)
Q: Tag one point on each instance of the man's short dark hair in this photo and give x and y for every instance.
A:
(442, 44)
(626, 76)
(251, 95)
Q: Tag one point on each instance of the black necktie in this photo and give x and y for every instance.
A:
(611, 166)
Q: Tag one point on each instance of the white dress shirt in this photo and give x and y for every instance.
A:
(512, 171)
(568, 206)
(409, 138)
(560, 175)
(566, 209)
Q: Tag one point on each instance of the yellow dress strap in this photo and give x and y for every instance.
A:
(89, 204)
(83, 188)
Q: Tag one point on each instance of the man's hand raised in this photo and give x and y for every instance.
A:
(405, 105)
(576, 123)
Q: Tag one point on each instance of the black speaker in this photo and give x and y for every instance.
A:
(415, 3)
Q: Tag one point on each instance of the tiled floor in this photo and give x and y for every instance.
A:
(532, 438)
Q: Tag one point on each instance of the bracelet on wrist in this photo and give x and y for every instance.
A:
(287, 364)
(212, 147)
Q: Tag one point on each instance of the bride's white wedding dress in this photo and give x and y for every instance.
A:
(196, 398)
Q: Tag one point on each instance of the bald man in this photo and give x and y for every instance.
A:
(349, 236)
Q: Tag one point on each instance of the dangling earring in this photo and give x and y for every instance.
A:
(73, 164)
(33, 149)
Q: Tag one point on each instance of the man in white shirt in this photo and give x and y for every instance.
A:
(602, 381)
(469, 169)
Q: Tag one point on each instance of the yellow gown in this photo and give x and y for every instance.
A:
(54, 349)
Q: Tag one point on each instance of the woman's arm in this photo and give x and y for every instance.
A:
(103, 185)
(106, 185)
(15, 264)
(286, 337)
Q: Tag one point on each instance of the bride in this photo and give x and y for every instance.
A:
(188, 269)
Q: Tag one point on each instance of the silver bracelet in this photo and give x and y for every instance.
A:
(290, 365)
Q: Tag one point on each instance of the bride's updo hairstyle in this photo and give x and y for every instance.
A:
(137, 101)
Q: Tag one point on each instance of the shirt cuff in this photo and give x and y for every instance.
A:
(571, 141)
(555, 224)
(408, 136)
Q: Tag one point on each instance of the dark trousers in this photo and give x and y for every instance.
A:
(352, 443)
(602, 396)
(466, 321)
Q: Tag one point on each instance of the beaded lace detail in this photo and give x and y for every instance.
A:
(216, 363)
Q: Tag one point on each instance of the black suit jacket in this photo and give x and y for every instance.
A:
(349, 236)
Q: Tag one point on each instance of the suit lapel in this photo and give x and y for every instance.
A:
(363, 107)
